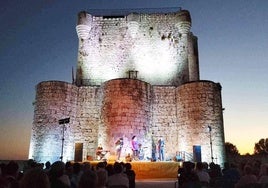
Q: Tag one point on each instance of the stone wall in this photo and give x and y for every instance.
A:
(87, 121)
(152, 44)
(107, 102)
(126, 113)
(54, 100)
(164, 120)
(199, 106)
(124, 108)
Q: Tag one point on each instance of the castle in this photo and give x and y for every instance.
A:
(137, 75)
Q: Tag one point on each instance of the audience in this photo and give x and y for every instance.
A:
(247, 179)
(35, 178)
(103, 175)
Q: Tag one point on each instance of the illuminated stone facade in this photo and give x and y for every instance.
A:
(137, 74)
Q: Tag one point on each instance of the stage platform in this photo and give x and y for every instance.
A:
(152, 170)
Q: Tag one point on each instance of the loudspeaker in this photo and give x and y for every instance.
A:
(197, 153)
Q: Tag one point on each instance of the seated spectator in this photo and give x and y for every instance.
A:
(3, 182)
(263, 175)
(110, 169)
(230, 175)
(203, 176)
(187, 176)
(247, 179)
(130, 174)
(102, 175)
(47, 166)
(88, 179)
(11, 172)
(86, 166)
(57, 177)
(214, 174)
(118, 178)
(68, 169)
(35, 178)
(75, 177)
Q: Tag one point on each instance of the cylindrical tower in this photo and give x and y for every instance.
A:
(200, 120)
(126, 113)
(55, 100)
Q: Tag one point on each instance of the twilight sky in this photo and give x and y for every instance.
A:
(38, 42)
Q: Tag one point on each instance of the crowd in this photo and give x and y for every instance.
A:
(120, 175)
(67, 175)
(201, 175)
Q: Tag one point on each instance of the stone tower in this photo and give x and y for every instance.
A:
(137, 75)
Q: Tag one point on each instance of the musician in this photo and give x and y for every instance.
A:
(135, 147)
(153, 151)
(100, 153)
(119, 145)
(161, 147)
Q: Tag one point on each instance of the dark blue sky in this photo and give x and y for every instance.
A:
(38, 42)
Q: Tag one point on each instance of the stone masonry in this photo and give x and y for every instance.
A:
(137, 74)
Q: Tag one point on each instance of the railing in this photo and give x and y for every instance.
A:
(184, 156)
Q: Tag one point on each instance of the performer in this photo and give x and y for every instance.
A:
(141, 152)
(135, 147)
(153, 151)
(119, 144)
(161, 147)
(99, 152)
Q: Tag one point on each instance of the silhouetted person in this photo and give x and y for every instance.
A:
(88, 179)
(131, 175)
(35, 178)
(187, 176)
(57, 176)
(118, 178)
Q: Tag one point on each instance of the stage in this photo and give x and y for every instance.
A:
(152, 170)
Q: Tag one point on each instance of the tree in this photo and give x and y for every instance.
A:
(261, 147)
(231, 150)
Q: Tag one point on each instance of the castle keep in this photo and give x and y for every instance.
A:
(137, 75)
